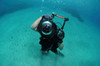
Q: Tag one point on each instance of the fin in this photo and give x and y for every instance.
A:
(60, 54)
(45, 52)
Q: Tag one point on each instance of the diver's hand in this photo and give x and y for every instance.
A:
(61, 46)
(35, 24)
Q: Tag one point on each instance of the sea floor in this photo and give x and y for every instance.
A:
(19, 44)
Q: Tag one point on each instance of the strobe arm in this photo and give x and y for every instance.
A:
(66, 19)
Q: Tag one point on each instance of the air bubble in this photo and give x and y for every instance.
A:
(42, 0)
(40, 10)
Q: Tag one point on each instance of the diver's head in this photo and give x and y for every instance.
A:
(46, 28)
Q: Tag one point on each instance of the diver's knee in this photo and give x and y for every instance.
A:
(61, 46)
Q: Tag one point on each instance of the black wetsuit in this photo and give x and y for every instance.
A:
(49, 42)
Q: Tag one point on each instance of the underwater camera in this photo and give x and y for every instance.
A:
(47, 26)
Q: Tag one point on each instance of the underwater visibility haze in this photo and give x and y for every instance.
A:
(19, 44)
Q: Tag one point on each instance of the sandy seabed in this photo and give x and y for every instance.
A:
(19, 45)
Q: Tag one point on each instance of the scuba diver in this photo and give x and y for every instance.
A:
(51, 37)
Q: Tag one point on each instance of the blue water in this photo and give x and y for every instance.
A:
(19, 45)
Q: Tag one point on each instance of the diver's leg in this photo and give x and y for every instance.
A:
(54, 49)
(44, 49)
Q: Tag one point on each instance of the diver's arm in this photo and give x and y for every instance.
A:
(35, 24)
(60, 45)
